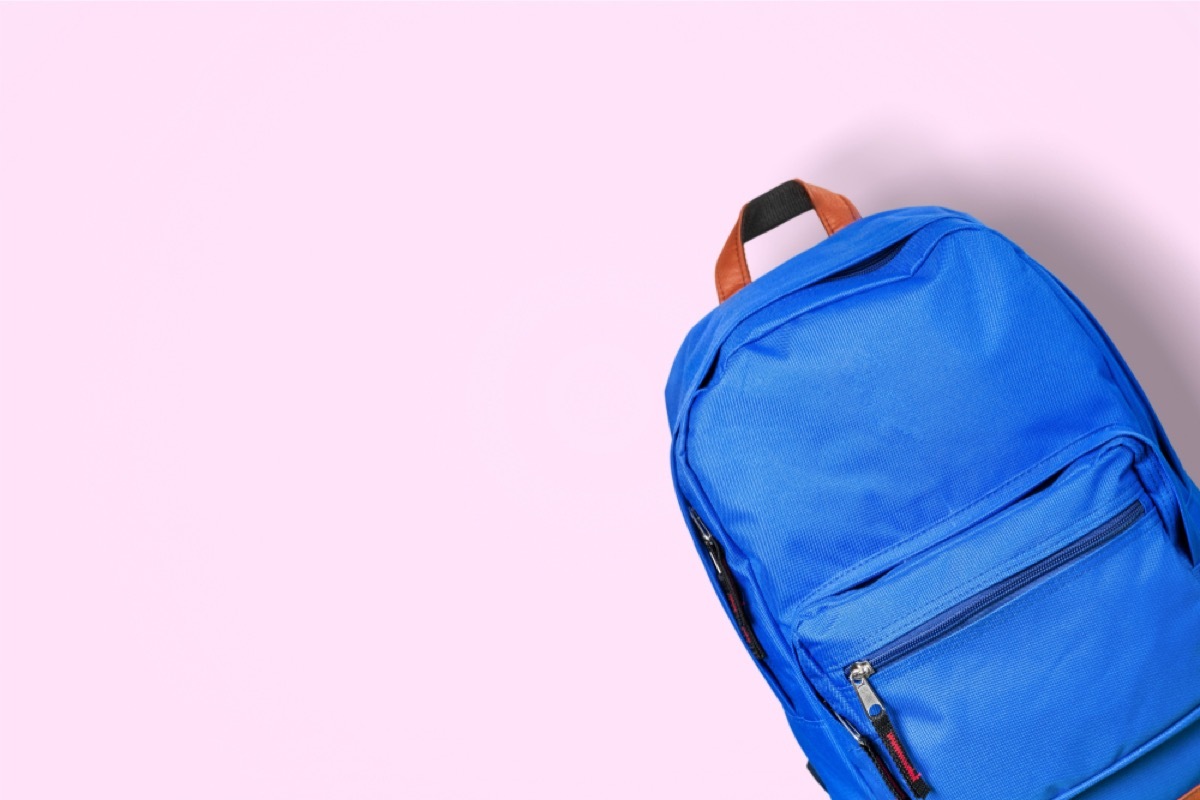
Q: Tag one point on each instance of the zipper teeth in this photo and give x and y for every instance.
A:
(920, 637)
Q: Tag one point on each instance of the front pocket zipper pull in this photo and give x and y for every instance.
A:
(873, 754)
(859, 676)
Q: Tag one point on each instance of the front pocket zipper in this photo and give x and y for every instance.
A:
(876, 760)
(958, 616)
(882, 724)
(729, 587)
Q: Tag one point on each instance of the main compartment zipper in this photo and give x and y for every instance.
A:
(860, 672)
(729, 587)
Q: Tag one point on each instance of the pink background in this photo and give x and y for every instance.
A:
(333, 459)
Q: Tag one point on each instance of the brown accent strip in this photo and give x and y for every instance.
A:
(835, 211)
(1194, 794)
(732, 271)
(733, 274)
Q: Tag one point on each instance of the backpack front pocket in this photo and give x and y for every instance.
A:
(1026, 655)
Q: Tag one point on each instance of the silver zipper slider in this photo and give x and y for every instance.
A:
(709, 541)
(859, 675)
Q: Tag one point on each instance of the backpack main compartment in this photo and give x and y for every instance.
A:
(911, 443)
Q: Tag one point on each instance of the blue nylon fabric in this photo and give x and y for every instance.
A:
(873, 448)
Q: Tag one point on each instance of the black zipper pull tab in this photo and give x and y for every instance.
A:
(728, 585)
(889, 780)
(859, 676)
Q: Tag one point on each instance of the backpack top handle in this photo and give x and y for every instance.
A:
(768, 211)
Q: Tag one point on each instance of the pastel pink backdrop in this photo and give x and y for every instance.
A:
(333, 459)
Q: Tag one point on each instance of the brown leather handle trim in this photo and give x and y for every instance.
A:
(834, 211)
(1194, 794)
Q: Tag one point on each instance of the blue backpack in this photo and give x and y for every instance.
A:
(941, 515)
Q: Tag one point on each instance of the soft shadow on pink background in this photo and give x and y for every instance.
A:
(333, 457)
